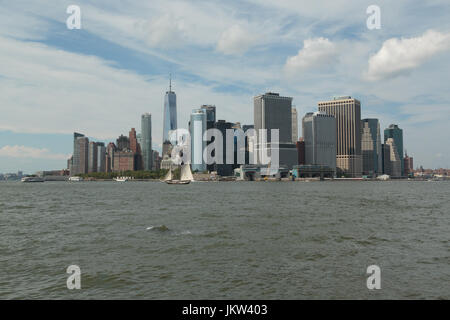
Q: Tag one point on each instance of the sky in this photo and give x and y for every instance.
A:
(99, 79)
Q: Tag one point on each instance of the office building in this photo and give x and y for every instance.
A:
(170, 117)
(123, 143)
(224, 169)
(272, 111)
(136, 149)
(294, 125)
(80, 156)
(74, 165)
(347, 112)
(92, 157)
(394, 132)
(210, 111)
(319, 134)
(395, 167)
(371, 147)
(146, 141)
(301, 151)
(197, 127)
(101, 157)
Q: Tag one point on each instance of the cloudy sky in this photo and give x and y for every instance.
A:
(100, 79)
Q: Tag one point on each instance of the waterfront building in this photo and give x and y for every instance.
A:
(146, 141)
(74, 165)
(224, 169)
(170, 117)
(92, 157)
(197, 127)
(80, 156)
(101, 157)
(210, 111)
(124, 161)
(408, 164)
(272, 111)
(347, 112)
(301, 151)
(371, 147)
(294, 125)
(110, 150)
(394, 132)
(136, 149)
(394, 160)
(156, 160)
(319, 134)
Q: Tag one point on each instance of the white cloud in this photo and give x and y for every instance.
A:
(30, 153)
(316, 53)
(236, 40)
(401, 56)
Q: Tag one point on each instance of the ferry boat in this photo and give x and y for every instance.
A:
(75, 179)
(121, 179)
(32, 179)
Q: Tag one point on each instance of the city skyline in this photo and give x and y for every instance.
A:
(99, 79)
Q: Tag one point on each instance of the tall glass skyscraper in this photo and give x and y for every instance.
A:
(394, 132)
(197, 127)
(146, 140)
(170, 114)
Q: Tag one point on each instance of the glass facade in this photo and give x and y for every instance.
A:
(146, 140)
(170, 114)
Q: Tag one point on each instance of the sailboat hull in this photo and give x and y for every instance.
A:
(178, 181)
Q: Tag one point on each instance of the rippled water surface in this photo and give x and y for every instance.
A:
(234, 240)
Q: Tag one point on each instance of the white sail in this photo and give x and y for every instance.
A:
(168, 175)
(186, 173)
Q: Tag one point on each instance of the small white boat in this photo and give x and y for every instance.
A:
(32, 179)
(121, 179)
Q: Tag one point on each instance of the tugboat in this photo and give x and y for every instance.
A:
(185, 178)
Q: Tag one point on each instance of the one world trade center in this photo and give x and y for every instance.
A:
(170, 117)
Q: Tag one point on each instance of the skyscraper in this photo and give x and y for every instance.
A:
(170, 117)
(272, 111)
(371, 147)
(80, 155)
(101, 158)
(92, 157)
(135, 147)
(395, 164)
(394, 132)
(224, 169)
(319, 133)
(146, 139)
(197, 127)
(294, 125)
(210, 115)
(210, 123)
(74, 166)
(347, 112)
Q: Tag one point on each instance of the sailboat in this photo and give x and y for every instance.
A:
(185, 178)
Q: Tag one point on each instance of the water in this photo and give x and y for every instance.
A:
(242, 240)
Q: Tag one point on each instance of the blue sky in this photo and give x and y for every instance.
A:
(100, 79)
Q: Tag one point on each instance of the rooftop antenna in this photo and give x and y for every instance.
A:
(170, 82)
